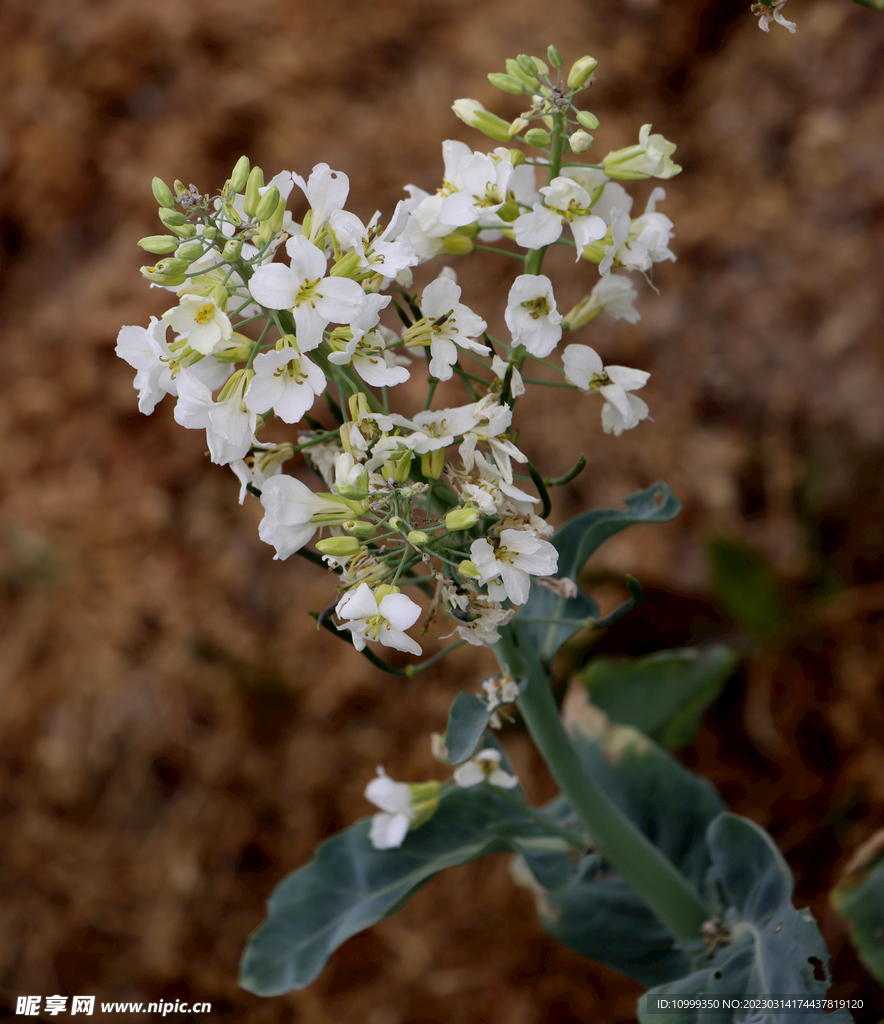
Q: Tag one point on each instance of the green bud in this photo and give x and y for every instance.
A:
(424, 802)
(506, 83)
(278, 217)
(353, 492)
(346, 266)
(338, 546)
(180, 188)
(472, 112)
(516, 155)
(190, 251)
(541, 66)
(173, 265)
(433, 463)
(469, 569)
(581, 71)
(159, 245)
(538, 138)
(417, 537)
(530, 80)
(398, 465)
(553, 56)
(360, 528)
(588, 120)
(265, 233)
(457, 244)
(253, 196)
(210, 232)
(232, 249)
(177, 223)
(509, 212)
(240, 174)
(233, 351)
(461, 518)
(267, 204)
(527, 65)
(231, 214)
(162, 193)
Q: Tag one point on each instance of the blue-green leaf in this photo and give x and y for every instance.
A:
(575, 542)
(774, 948)
(467, 721)
(662, 695)
(599, 914)
(859, 899)
(350, 885)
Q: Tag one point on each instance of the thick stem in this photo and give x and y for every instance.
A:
(650, 873)
(534, 258)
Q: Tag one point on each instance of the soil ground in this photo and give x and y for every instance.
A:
(175, 735)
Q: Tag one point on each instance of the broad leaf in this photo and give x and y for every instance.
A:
(467, 721)
(859, 899)
(747, 588)
(774, 949)
(575, 542)
(662, 695)
(350, 885)
(599, 914)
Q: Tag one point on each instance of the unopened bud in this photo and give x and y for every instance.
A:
(519, 125)
(538, 138)
(352, 492)
(278, 217)
(580, 142)
(254, 182)
(240, 174)
(267, 204)
(232, 249)
(588, 120)
(190, 251)
(346, 266)
(526, 64)
(542, 68)
(506, 83)
(173, 265)
(517, 156)
(360, 528)
(424, 802)
(461, 518)
(553, 56)
(581, 71)
(177, 223)
(469, 569)
(265, 232)
(457, 244)
(162, 193)
(433, 463)
(237, 350)
(472, 112)
(338, 546)
(231, 214)
(529, 78)
(159, 245)
(417, 537)
(210, 232)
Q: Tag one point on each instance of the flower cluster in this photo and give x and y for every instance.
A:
(266, 317)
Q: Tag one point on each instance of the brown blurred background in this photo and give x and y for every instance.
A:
(175, 735)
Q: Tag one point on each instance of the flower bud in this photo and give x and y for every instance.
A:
(417, 537)
(162, 193)
(346, 266)
(424, 802)
(472, 112)
(588, 120)
(581, 71)
(240, 174)
(190, 251)
(519, 125)
(338, 546)
(177, 223)
(360, 528)
(210, 232)
(232, 249)
(580, 142)
(527, 65)
(516, 155)
(469, 569)
(433, 463)
(267, 204)
(529, 79)
(254, 182)
(276, 221)
(352, 492)
(237, 350)
(542, 68)
(398, 465)
(553, 56)
(457, 244)
(173, 265)
(506, 83)
(231, 214)
(265, 232)
(384, 590)
(159, 245)
(538, 138)
(461, 518)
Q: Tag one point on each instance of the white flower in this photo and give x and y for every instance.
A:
(229, 424)
(651, 158)
(621, 411)
(288, 507)
(286, 382)
(484, 767)
(145, 350)
(384, 621)
(500, 370)
(519, 555)
(388, 829)
(366, 349)
(531, 314)
(446, 323)
(638, 244)
(386, 253)
(499, 690)
(262, 465)
(314, 300)
(197, 318)
(564, 200)
(480, 183)
(613, 295)
(326, 191)
(766, 12)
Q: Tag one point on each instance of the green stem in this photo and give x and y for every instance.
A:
(577, 841)
(534, 258)
(642, 864)
(412, 670)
